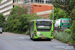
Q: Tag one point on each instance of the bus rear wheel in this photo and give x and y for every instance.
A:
(33, 37)
(0, 32)
(49, 39)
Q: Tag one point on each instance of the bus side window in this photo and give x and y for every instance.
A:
(33, 26)
(30, 26)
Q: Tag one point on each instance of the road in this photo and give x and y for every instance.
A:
(11, 41)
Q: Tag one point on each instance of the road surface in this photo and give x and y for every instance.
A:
(11, 41)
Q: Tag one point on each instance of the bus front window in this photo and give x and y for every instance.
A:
(65, 21)
(43, 25)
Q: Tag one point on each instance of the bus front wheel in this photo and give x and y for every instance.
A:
(31, 38)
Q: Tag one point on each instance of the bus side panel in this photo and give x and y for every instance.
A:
(31, 29)
(50, 33)
(35, 30)
(51, 37)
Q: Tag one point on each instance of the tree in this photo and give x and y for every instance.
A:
(2, 20)
(71, 5)
(13, 19)
(73, 32)
(59, 13)
(34, 16)
(67, 5)
(19, 21)
(0, 1)
(72, 14)
(24, 22)
(18, 10)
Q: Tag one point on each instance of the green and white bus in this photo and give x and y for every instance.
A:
(62, 23)
(41, 29)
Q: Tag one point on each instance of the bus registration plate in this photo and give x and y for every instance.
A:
(43, 37)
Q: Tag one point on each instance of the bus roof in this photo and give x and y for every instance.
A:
(43, 20)
(65, 18)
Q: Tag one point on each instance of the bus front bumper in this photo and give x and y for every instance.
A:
(44, 38)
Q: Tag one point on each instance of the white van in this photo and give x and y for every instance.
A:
(0, 30)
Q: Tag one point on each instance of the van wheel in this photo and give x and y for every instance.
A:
(0, 32)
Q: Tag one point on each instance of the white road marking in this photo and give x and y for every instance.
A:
(64, 47)
(22, 37)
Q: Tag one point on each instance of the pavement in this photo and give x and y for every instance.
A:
(12, 41)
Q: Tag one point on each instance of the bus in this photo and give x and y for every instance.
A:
(41, 29)
(62, 23)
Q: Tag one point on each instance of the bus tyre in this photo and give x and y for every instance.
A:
(29, 34)
(0, 32)
(31, 38)
(49, 39)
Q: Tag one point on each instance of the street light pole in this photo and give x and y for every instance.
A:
(53, 13)
(23, 3)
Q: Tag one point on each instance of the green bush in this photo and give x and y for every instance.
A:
(72, 14)
(73, 32)
(62, 36)
(2, 20)
(68, 31)
(27, 32)
(59, 13)
(0, 1)
(18, 24)
(18, 21)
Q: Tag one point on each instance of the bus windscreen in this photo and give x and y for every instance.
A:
(43, 25)
(65, 21)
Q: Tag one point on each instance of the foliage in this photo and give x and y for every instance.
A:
(0, 1)
(73, 32)
(14, 21)
(34, 16)
(62, 36)
(18, 10)
(24, 21)
(18, 25)
(27, 32)
(68, 31)
(19, 21)
(2, 20)
(71, 4)
(67, 5)
(72, 14)
(59, 13)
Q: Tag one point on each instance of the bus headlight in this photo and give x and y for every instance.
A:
(38, 33)
(59, 26)
(52, 33)
(35, 33)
